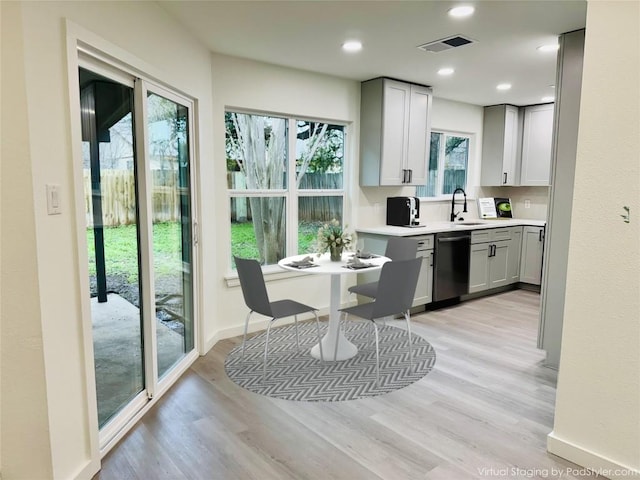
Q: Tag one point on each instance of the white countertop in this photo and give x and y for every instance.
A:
(436, 227)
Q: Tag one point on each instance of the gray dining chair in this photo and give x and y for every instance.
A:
(396, 288)
(256, 298)
(398, 248)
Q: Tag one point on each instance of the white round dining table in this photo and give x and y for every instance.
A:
(325, 266)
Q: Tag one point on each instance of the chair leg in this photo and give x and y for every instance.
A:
(266, 350)
(375, 329)
(295, 321)
(406, 317)
(319, 336)
(244, 338)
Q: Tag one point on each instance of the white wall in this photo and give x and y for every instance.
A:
(45, 256)
(446, 115)
(597, 421)
(244, 84)
(23, 415)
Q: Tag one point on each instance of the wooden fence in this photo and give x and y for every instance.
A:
(119, 197)
(310, 209)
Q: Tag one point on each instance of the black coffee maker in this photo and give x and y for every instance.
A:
(403, 211)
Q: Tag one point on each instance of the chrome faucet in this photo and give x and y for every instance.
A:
(453, 200)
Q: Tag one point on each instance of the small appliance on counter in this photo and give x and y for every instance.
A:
(403, 211)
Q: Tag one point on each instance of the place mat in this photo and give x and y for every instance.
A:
(294, 375)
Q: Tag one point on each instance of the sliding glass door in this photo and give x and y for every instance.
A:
(168, 149)
(137, 177)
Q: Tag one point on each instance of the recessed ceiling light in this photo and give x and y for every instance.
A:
(352, 46)
(548, 99)
(549, 48)
(446, 71)
(504, 86)
(461, 11)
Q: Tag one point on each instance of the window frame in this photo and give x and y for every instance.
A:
(292, 193)
(441, 159)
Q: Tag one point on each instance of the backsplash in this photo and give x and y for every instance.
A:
(373, 204)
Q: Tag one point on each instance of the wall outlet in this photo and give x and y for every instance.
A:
(527, 204)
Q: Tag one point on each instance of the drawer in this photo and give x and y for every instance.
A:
(490, 235)
(481, 236)
(425, 242)
(498, 234)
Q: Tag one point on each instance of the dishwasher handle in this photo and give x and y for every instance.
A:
(453, 239)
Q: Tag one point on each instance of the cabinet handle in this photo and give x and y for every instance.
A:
(431, 260)
(410, 175)
(404, 175)
(540, 235)
(505, 178)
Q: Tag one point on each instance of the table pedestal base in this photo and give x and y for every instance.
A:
(346, 349)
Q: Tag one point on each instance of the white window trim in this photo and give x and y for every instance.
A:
(471, 154)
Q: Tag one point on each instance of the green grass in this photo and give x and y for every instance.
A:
(121, 250)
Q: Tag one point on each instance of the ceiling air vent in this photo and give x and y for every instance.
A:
(446, 44)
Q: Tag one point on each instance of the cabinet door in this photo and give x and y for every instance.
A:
(536, 145)
(531, 258)
(479, 267)
(513, 262)
(500, 161)
(510, 152)
(395, 131)
(424, 288)
(419, 135)
(498, 269)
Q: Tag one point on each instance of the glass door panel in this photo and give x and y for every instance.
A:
(113, 241)
(169, 162)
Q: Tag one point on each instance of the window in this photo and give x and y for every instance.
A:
(285, 178)
(448, 160)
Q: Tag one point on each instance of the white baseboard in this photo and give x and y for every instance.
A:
(255, 325)
(590, 460)
(88, 471)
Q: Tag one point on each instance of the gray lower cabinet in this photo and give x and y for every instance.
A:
(494, 258)
(424, 289)
(514, 260)
(532, 247)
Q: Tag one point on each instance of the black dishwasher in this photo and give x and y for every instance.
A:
(451, 265)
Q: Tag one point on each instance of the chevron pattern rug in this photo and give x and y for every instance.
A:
(294, 375)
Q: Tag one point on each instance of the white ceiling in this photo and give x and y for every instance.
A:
(308, 34)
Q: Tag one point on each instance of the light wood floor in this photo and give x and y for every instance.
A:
(484, 411)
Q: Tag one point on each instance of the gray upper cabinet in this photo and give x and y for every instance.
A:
(536, 145)
(500, 146)
(395, 132)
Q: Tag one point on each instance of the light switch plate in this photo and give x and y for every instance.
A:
(54, 206)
